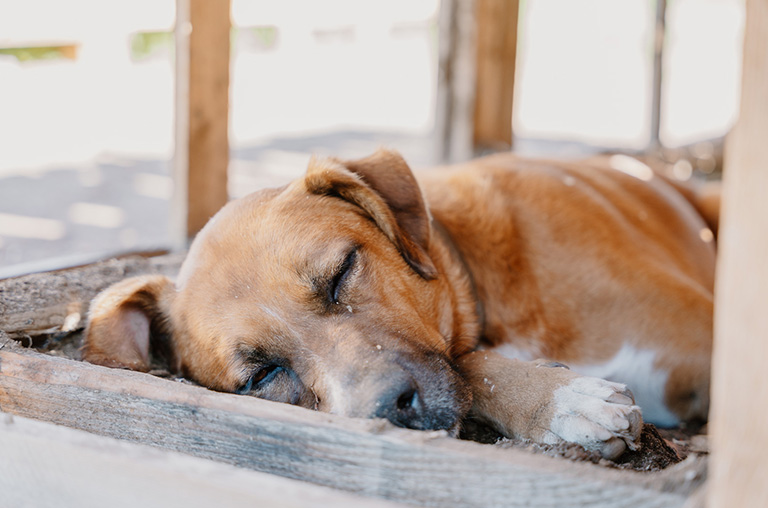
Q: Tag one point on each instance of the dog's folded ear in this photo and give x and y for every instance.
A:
(385, 188)
(127, 321)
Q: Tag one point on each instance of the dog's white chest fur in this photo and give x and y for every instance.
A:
(630, 366)
(636, 368)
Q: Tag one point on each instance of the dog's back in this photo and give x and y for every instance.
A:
(608, 272)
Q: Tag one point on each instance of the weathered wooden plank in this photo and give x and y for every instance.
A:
(49, 465)
(202, 113)
(740, 387)
(496, 22)
(368, 457)
(52, 301)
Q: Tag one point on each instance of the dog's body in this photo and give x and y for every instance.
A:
(591, 267)
(343, 292)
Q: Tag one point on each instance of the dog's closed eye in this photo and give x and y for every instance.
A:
(279, 383)
(336, 284)
(260, 379)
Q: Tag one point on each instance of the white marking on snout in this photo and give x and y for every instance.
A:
(337, 398)
(636, 368)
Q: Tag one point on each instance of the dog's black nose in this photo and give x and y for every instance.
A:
(404, 406)
(408, 405)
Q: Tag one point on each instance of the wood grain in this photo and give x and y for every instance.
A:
(368, 457)
(40, 303)
(740, 387)
(49, 465)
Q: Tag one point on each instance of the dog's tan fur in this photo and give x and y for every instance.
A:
(363, 300)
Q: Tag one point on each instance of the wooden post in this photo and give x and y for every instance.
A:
(658, 70)
(739, 416)
(456, 81)
(496, 22)
(202, 114)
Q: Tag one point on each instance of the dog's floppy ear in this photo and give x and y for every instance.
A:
(385, 188)
(124, 318)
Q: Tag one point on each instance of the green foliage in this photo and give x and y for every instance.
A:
(265, 35)
(147, 44)
(39, 53)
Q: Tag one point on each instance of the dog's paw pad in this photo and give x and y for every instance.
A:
(598, 415)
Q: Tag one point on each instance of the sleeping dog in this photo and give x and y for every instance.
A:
(365, 290)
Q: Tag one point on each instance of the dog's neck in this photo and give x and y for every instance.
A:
(464, 305)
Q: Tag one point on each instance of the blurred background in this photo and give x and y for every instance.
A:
(87, 100)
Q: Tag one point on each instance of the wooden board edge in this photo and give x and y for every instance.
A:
(41, 302)
(42, 464)
(324, 437)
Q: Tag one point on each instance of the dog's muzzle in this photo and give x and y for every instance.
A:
(430, 397)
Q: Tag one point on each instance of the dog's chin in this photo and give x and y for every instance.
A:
(453, 400)
(449, 423)
(454, 406)
(455, 431)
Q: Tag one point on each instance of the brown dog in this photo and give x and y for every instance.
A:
(344, 292)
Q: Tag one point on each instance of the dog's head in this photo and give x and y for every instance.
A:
(327, 293)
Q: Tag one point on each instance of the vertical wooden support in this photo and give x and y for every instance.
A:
(456, 81)
(496, 22)
(202, 114)
(660, 33)
(739, 417)
(180, 198)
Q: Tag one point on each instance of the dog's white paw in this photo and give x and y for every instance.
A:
(596, 414)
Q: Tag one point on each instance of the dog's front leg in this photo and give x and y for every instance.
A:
(547, 403)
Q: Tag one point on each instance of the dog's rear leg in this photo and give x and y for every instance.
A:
(549, 404)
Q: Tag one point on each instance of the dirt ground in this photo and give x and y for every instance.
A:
(659, 448)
